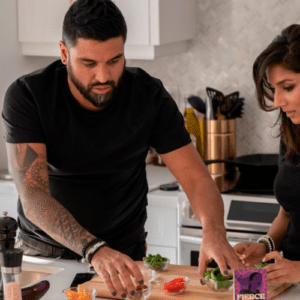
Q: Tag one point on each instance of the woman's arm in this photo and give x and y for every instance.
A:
(279, 227)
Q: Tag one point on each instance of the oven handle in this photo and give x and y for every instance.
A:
(198, 240)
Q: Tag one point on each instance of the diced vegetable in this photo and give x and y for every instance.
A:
(174, 285)
(155, 261)
(82, 294)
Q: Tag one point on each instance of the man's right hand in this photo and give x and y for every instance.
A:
(117, 271)
(250, 253)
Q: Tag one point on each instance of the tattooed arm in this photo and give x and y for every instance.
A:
(28, 163)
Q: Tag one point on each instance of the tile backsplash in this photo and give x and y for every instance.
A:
(230, 35)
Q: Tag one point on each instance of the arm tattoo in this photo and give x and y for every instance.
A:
(30, 172)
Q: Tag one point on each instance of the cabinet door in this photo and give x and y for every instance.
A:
(161, 226)
(168, 252)
(136, 12)
(41, 21)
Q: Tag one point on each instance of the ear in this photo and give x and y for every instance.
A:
(63, 52)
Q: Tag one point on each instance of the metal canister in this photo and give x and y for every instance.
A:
(220, 143)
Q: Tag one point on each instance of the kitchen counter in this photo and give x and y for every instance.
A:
(63, 279)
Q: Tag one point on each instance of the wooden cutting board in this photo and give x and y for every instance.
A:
(194, 291)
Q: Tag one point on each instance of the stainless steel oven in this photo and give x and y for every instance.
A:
(246, 218)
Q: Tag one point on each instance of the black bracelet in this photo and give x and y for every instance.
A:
(92, 252)
(92, 242)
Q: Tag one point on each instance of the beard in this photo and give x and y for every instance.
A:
(98, 100)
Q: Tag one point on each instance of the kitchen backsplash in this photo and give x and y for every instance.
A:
(230, 35)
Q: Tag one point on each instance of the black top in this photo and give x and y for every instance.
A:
(96, 160)
(287, 192)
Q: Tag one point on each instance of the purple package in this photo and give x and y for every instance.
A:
(250, 284)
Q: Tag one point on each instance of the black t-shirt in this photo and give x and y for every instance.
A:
(96, 160)
(287, 192)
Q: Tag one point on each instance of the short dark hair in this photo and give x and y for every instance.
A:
(284, 50)
(93, 19)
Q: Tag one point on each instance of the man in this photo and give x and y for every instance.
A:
(77, 135)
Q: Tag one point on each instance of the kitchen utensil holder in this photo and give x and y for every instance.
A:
(220, 143)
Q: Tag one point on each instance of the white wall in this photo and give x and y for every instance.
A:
(230, 34)
(12, 63)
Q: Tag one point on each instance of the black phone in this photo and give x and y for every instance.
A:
(81, 278)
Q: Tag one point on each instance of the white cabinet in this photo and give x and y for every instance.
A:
(155, 27)
(161, 224)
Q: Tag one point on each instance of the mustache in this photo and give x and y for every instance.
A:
(110, 82)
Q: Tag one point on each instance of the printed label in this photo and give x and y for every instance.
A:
(250, 284)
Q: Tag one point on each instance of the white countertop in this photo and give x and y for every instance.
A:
(157, 175)
(63, 279)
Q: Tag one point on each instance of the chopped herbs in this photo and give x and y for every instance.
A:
(155, 261)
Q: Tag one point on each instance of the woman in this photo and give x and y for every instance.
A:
(276, 73)
(254, 285)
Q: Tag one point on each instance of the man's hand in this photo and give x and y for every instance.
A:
(250, 253)
(216, 247)
(117, 271)
(283, 270)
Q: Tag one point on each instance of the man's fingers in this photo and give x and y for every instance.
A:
(135, 272)
(202, 266)
(113, 290)
(127, 282)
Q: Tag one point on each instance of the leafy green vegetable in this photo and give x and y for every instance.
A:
(155, 261)
(216, 275)
(260, 265)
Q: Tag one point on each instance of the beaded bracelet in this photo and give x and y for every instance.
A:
(267, 245)
(92, 242)
(92, 251)
(268, 241)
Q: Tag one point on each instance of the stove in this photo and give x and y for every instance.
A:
(249, 209)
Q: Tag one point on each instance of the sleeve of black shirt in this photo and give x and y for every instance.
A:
(169, 132)
(20, 115)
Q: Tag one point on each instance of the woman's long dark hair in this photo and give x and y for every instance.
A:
(285, 51)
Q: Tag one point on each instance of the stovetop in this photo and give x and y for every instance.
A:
(243, 184)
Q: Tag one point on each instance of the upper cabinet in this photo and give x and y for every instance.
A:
(155, 27)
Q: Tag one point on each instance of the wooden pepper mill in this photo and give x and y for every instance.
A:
(8, 229)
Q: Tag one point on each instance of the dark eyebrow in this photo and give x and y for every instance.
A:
(283, 81)
(85, 59)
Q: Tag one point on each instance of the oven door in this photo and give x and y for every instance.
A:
(190, 240)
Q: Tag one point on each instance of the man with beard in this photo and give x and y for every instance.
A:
(78, 133)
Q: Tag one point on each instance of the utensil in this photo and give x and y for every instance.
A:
(216, 98)
(197, 103)
(236, 110)
(209, 115)
(227, 103)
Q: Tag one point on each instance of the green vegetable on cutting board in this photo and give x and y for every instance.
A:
(216, 275)
(260, 265)
(155, 261)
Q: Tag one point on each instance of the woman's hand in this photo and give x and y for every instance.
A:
(250, 253)
(283, 270)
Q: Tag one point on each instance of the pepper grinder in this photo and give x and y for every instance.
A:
(11, 262)
(8, 229)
